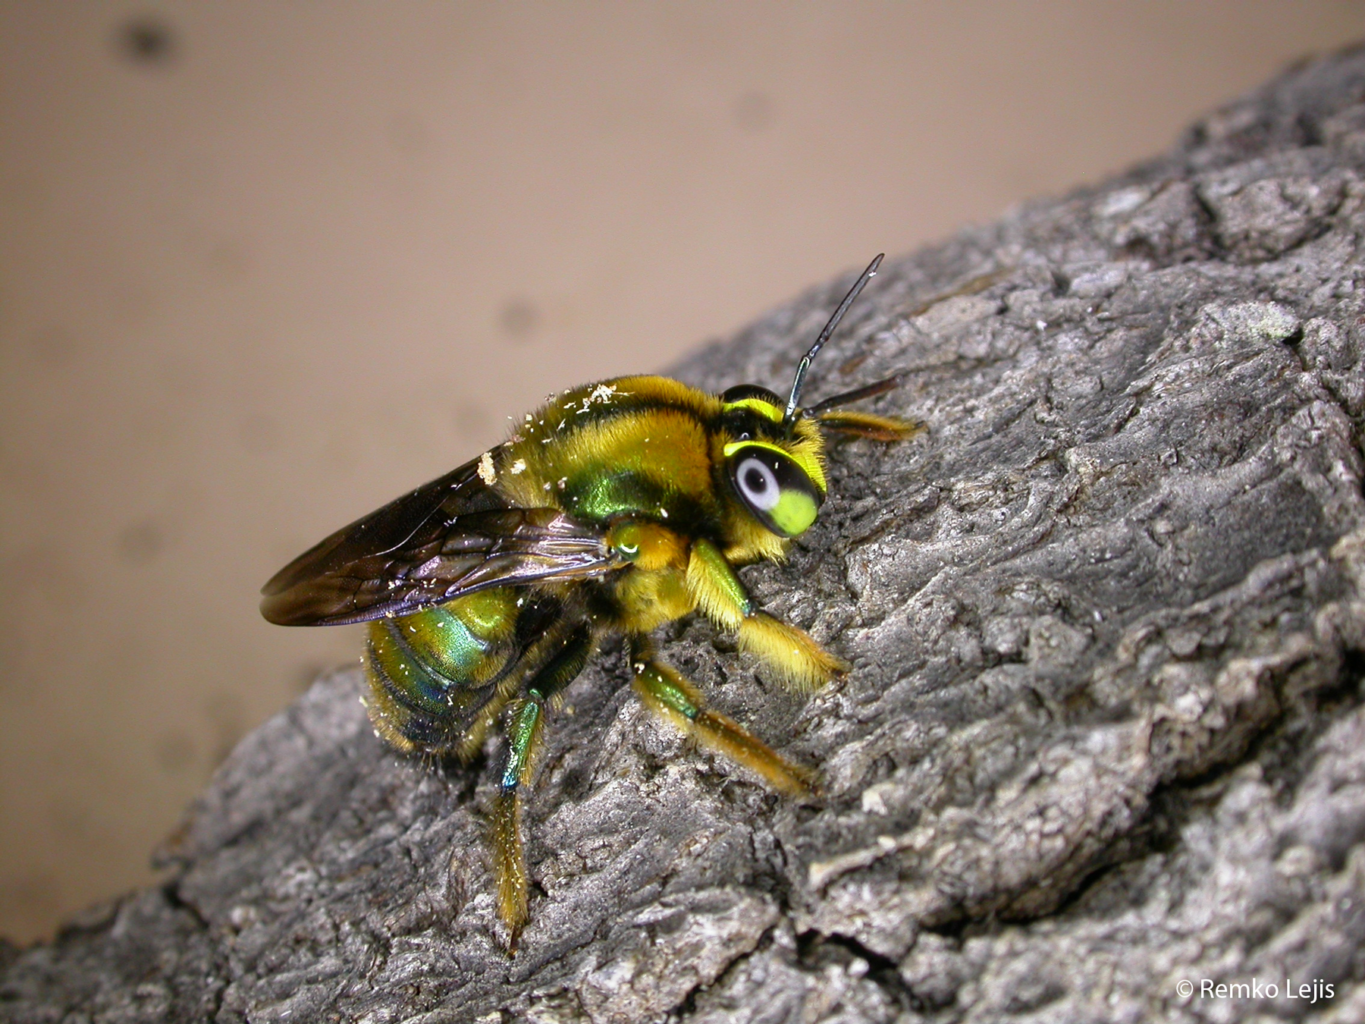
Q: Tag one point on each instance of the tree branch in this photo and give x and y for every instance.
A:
(1104, 732)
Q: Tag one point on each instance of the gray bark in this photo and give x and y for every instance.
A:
(1104, 732)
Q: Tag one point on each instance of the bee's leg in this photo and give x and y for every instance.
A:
(673, 698)
(852, 423)
(525, 725)
(717, 591)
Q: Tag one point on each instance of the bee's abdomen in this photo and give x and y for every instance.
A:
(432, 673)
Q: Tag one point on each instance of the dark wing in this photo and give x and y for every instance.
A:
(447, 538)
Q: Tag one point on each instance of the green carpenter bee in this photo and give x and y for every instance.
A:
(615, 508)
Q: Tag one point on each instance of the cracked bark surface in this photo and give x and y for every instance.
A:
(1105, 729)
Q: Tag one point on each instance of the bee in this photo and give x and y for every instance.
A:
(614, 508)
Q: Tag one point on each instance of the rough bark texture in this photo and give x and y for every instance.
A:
(1104, 733)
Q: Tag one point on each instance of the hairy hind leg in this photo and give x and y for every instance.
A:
(525, 727)
(674, 699)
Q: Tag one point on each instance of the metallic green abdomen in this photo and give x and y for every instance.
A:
(432, 673)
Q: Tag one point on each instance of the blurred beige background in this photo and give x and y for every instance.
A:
(264, 266)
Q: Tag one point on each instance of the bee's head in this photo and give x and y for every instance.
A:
(775, 453)
(775, 468)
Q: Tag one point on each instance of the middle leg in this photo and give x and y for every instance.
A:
(673, 698)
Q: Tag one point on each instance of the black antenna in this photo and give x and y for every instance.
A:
(867, 275)
(881, 387)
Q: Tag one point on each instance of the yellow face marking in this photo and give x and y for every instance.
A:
(765, 409)
(794, 512)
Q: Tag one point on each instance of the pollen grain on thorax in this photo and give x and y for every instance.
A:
(487, 473)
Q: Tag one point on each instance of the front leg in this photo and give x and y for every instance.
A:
(711, 581)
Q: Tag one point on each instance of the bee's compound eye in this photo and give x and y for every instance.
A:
(757, 483)
(774, 488)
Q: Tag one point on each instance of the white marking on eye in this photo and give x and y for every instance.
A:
(758, 484)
